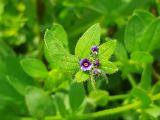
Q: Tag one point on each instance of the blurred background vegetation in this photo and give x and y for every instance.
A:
(22, 27)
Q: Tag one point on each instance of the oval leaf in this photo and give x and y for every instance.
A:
(90, 38)
(149, 40)
(39, 103)
(141, 57)
(135, 27)
(34, 67)
(56, 49)
(108, 67)
(107, 49)
(76, 95)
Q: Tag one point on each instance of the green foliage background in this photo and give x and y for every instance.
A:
(42, 41)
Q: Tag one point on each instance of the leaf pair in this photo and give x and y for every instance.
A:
(83, 50)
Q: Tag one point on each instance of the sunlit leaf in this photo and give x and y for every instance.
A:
(107, 49)
(90, 38)
(108, 67)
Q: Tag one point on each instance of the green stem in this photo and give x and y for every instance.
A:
(53, 118)
(93, 83)
(131, 80)
(110, 111)
(117, 97)
(116, 110)
(46, 118)
(156, 75)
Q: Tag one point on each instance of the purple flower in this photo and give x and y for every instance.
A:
(96, 64)
(85, 64)
(96, 71)
(94, 49)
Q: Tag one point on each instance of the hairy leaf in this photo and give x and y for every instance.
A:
(90, 38)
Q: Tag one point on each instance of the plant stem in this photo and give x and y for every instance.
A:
(93, 83)
(116, 110)
(131, 80)
(106, 112)
(156, 75)
(53, 118)
(111, 111)
(117, 97)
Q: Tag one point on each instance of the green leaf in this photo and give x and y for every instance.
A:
(56, 78)
(30, 12)
(76, 95)
(90, 38)
(154, 111)
(146, 16)
(100, 97)
(66, 62)
(146, 77)
(134, 29)
(13, 79)
(60, 34)
(39, 103)
(56, 49)
(141, 57)
(149, 40)
(108, 67)
(145, 116)
(7, 92)
(107, 49)
(121, 52)
(17, 85)
(34, 67)
(59, 100)
(81, 76)
(130, 67)
(5, 50)
(53, 41)
(142, 95)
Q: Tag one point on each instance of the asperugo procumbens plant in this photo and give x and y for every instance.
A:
(91, 62)
(91, 59)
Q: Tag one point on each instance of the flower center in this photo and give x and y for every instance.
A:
(85, 64)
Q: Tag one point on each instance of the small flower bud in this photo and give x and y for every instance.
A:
(96, 64)
(94, 49)
(96, 71)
